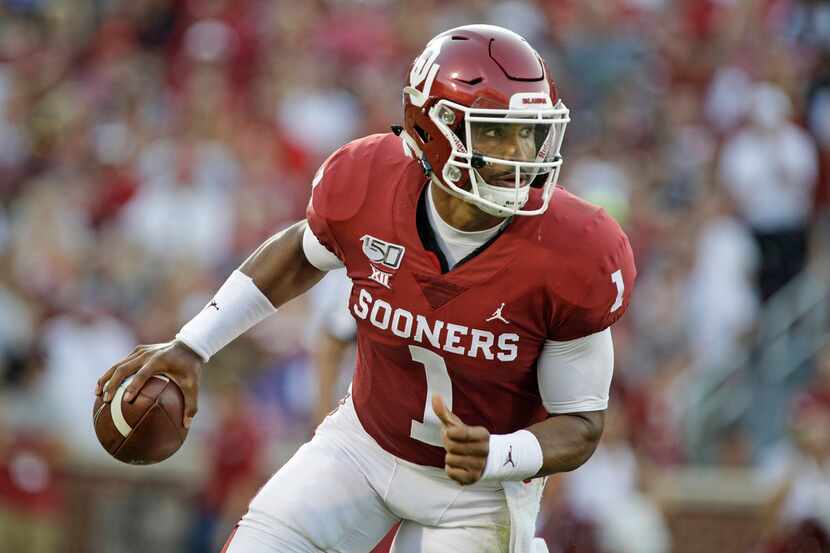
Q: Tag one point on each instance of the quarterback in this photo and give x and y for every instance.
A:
(483, 295)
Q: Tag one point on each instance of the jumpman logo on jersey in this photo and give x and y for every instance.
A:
(214, 304)
(497, 315)
(509, 457)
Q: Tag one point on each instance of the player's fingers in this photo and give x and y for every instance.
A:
(99, 386)
(191, 399)
(462, 476)
(121, 372)
(470, 449)
(457, 433)
(139, 379)
(190, 410)
(474, 464)
(111, 379)
(464, 433)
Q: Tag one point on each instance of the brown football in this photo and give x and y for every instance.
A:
(146, 431)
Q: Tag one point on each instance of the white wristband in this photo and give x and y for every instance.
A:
(516, 456)
(236, 307)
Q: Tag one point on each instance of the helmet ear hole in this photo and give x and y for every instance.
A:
(422, 134)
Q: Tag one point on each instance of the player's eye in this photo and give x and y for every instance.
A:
(526, 131)
(493, 132)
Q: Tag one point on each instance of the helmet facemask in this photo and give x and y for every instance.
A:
(501, 153)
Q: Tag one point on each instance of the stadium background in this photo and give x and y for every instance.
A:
(147, 146)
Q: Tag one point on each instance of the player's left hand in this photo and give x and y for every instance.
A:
(467, 446)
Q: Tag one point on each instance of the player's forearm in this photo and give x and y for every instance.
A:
(276, 272)
(279, 267)
(568, 440)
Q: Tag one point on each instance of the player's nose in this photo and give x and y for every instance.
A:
(516, 147)
(510, 146)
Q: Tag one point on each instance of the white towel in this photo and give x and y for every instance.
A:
(539, 546)
(523, 504)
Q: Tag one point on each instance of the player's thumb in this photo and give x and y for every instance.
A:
(444, 415)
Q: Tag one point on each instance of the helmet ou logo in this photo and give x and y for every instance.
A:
(424, 69)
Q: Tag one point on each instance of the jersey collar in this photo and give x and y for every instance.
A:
(430, 243)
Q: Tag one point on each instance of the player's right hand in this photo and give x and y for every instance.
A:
(172, 359)
(467, 446)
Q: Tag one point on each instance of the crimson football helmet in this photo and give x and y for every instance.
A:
(482, 114)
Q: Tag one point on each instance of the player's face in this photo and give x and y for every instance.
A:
(509, 141)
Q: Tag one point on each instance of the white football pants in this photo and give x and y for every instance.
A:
(341, 493)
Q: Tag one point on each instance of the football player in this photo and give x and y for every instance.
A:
(483, 295)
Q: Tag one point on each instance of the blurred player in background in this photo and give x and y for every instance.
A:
(483, 295)
(331, 336)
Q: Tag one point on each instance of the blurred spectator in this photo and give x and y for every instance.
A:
(17, 328)
(79, 346)
(603, 182)
(235, 469)
(31, 503)
(818, 121)
(769, 169)
(726, 105)
(185, 211)
(723, 302)
(50, 239)
(655, 408)
(801, 467)
(665, 322)
(610, 484)
(810, 23)
(820, 387)
(31, 459)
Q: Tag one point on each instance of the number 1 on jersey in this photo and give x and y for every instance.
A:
(617, 279)
(438, 382)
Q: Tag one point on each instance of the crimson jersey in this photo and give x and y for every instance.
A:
(472, 334)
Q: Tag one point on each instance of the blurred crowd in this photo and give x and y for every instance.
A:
(148, 146)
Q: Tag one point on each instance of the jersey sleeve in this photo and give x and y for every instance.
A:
(575, 375)
(607, 273)
(317, 254)
(337, 193)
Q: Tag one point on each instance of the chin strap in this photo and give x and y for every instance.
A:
(415, 152)
(425, 165)
(477, 161)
